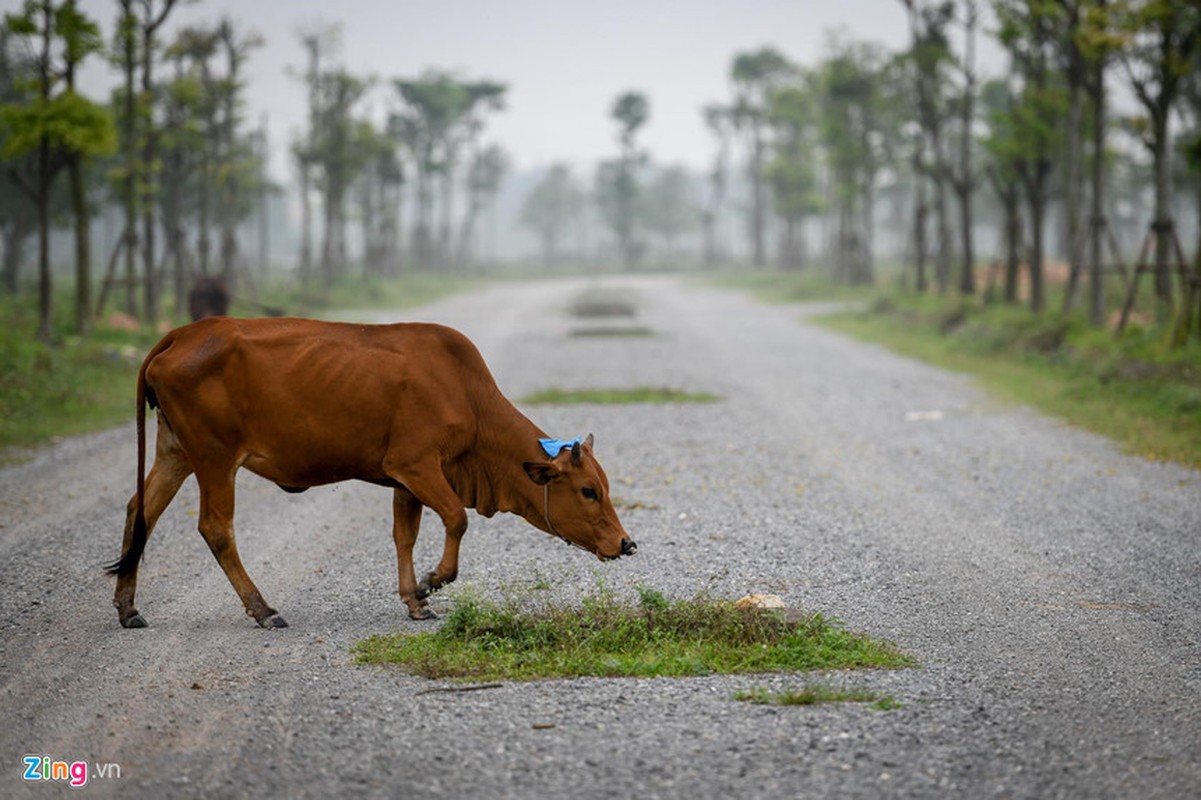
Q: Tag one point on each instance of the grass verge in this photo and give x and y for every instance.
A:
(642, 394)
(606, 637)
(77, 386)
(1133, 390)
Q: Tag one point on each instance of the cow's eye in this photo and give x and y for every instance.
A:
(589, 493)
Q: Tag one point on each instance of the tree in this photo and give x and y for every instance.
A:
(1097, 41)
(378, 192)
(617, 187)
(484, 176)
(792, 171)
(930, 60)
(150, 22)
(1027, 33)
(1067, 19)
(669, 208)
(318, 42)
(754, 75)
(476, 97)
(432, 103)
(200, 45)
(552, 208)
(237, 174)
(57, 127)
(852, 129)
(341, 150)
(442, 115)
(719, 121)
(1002, 147)
(1164, 48)
(17, 215)
(963, 176)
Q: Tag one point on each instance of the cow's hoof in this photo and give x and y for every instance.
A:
(134, 620)
(273, 621)
(425, 612)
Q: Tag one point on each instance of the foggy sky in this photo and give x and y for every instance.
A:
(564, 61)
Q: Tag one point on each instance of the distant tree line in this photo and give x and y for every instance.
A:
(173, 151)
(918, 141)
(813, 164)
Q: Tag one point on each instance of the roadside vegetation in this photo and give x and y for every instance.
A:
(606, 636)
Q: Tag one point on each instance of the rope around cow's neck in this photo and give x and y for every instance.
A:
(546, 514)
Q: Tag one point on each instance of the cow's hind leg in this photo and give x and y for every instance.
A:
(216, 526)
(427, 483)
(170, 470)
(406, 522)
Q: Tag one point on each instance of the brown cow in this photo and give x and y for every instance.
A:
(304, 403)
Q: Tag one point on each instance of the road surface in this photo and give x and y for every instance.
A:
(1049, 586)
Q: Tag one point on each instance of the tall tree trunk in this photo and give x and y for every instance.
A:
(1036, 198)
(920, 212)
(1072, 187)
(942, 262)
(203, 242)
(1162, 224)
(306, 223)
(966, 182)
(83, 247)
(1013, 243)
(445, 256)
(967, 281)
(132, 165)
(45, 275)
(149, 155)
(758, 214)
(1097, 218)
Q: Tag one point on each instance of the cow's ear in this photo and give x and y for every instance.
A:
(588, 440)
(541, 472)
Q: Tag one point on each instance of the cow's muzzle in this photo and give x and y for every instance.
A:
(628, 548)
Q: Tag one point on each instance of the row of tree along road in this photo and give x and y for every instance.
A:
(913, 153)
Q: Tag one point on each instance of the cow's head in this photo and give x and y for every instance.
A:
(575, 501)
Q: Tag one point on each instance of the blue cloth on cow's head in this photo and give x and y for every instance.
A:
(553, 446)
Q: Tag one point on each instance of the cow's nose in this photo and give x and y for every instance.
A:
(628, 548)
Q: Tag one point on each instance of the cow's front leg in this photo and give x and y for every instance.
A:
(406, 523)
(428, 484)
(448, 566)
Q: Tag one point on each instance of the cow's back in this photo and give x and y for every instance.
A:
(304, 402)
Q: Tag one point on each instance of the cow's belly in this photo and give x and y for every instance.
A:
(301, 464)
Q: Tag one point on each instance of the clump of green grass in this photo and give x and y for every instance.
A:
(640, 394)
(817, 694)
(607, 637)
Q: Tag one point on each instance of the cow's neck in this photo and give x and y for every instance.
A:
(491, 477)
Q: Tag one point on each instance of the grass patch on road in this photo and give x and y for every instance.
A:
(817, 694)
(641, 394)
(606, 637)
(1133, 390)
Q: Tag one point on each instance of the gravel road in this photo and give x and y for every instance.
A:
(1050, 587)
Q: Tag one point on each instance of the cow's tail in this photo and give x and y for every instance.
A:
(129, 559)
